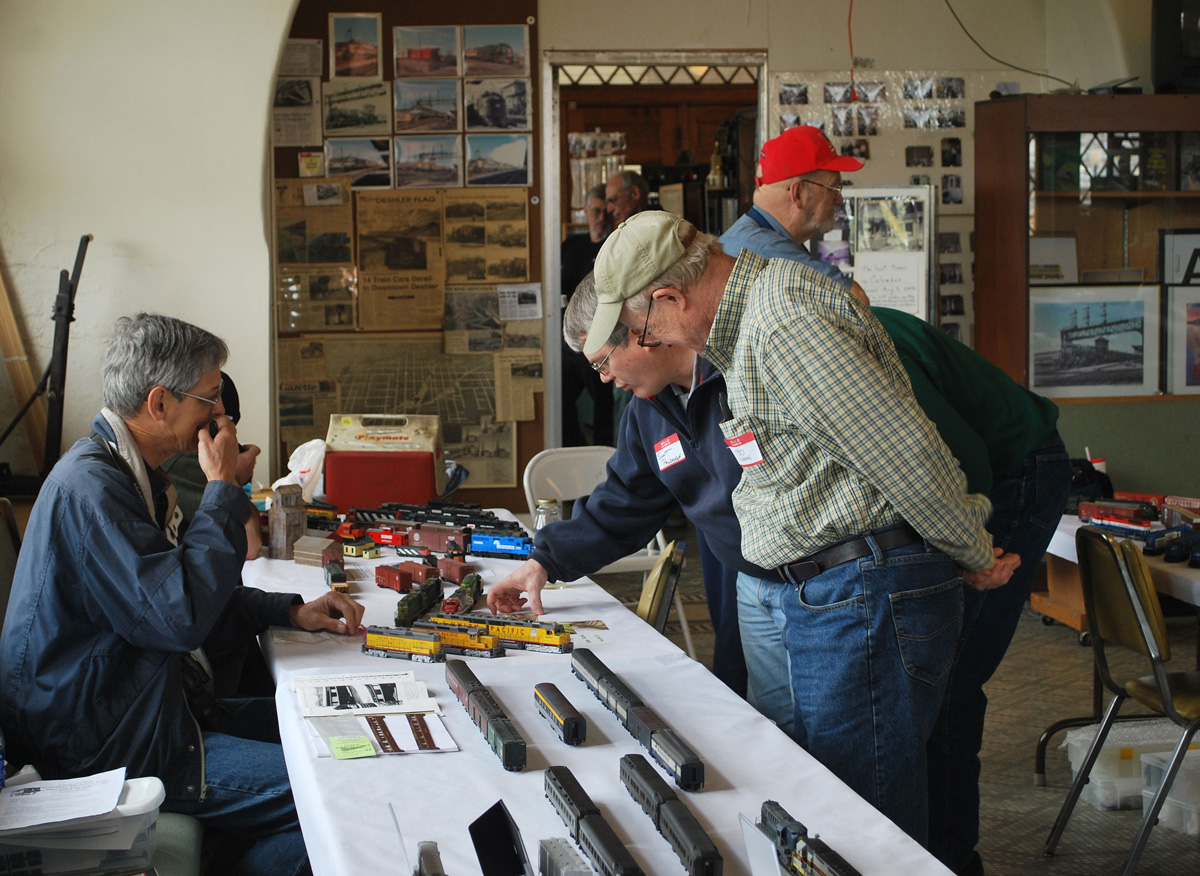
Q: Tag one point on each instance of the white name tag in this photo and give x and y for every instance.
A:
(745, 449)
(669, 451)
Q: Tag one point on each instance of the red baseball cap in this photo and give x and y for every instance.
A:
(800, 150)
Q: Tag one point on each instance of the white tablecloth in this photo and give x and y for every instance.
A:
(343, 805)
(1176, 579)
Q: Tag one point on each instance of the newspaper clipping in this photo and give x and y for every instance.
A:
(316, 234)
(487, 236)
(400, 256)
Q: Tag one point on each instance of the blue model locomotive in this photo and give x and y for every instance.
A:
(506, 547)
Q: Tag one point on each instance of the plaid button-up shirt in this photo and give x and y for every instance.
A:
(844, 447)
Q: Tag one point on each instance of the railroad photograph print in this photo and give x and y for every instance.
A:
(1183, 340)
(354, 39)
(496, 50)
(425, 51)
(1093, 341)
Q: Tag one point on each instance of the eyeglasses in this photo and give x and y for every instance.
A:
(646, 328)
(216, 400)
(601, 367)
(837, 190)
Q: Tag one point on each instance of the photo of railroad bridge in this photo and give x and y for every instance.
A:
(1093, 344)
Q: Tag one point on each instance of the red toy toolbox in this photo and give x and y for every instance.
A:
(375, 458)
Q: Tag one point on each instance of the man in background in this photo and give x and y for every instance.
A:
(578, 254)
(799, 184)
(625, 195)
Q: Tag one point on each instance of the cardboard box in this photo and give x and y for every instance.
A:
(375, 458)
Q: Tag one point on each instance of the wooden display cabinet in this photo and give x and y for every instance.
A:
(1131, 191)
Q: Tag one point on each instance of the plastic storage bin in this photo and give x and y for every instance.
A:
(122, 840)
(1116, 780)
(1181, 810)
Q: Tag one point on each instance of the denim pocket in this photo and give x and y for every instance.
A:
(928, 621)
(836, 588)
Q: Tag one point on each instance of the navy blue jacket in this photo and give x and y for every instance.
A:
(623, 514)
(104, 609)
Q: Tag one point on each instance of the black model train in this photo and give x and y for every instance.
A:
(587, 825)
(798, 852)
(502, 736)
(643, 723)
(555, 708)
(671, 817)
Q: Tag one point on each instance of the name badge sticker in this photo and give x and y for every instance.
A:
(669, 451)
(745, 449)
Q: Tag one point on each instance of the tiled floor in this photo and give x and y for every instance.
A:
(1045, 677)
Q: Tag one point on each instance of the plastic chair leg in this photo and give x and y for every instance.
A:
(1085, 769)
(683, 625)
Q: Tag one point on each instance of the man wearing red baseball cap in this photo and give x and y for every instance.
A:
(799, 184)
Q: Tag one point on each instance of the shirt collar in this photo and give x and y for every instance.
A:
(722, 337)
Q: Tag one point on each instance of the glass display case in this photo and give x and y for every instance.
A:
(1078, 198)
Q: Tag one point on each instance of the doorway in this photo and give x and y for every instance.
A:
(669, 104)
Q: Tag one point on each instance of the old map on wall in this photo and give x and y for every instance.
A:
(409, 374)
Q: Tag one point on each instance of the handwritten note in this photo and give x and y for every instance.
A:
(895, 279)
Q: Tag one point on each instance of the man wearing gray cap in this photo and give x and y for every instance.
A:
(846, 488)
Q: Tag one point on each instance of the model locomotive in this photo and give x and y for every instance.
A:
(587, 825)
(643, 723)
(529, 635)
(418, 645)
(463, 598)
(555, 708)
(798, 852)
(671, 817)
(418, 601)
(468, 641)
(502, 736)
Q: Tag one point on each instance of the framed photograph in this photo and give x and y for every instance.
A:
(496, 104)
(354, 41)
(1183, 340)
(496, 50)
(354, 107)
(426, 105)
(366, 161)
(918, 156)
(429, 162)
(1179, 255)
(793, 93)
(918, 88)
(1052, 261)
(838, 92)
(1090, 341)
(426, 51)
(499, 159)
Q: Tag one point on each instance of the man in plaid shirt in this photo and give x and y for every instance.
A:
(846, 487)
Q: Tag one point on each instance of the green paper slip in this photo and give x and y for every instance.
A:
(349, 747)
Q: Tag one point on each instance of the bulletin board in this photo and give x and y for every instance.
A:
(406, 246)
(910, 128)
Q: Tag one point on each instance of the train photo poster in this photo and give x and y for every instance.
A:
(354, 45)
(353, 107)
(1093, 340)
(426, 51)
(1183, 340)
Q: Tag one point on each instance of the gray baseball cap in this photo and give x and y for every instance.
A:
(642, 248)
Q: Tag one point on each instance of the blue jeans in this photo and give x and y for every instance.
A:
(853, 664)
(720, 591)
(249, 794)
(1026, 510)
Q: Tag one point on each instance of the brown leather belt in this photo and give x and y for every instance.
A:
(834, 555)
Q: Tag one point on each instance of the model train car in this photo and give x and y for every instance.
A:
(417, 645)
(555, 708)
(798, 852)
(506, 547)
(643, 723)
(529, 635)
(557, 857)
(671, 817)
(587, 825)
(418, 601)
(335, 578)
(468, 641)
(463, 598)
(502, 736)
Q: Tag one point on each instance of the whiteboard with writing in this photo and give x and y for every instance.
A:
(890, 230)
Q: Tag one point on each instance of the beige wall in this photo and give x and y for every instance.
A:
(145, 122)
